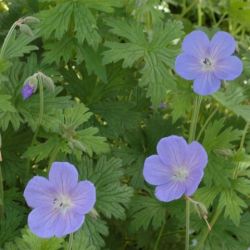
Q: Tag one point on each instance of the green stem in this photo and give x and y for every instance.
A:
(1, 184)
(41, 104)
(53, 156)
(243, 138)
(242, 141)
(192, 132)
(159, 237)
(71, 238)
(221, 19)
(206, 231)
(206, 123)
(199, 13)
(219, 210)
(41, 109)
(190, 7)
(1, 194)
(7, 38)
(187, 224)
(40, 118)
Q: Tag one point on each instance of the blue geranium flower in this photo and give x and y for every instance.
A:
(208, 62)
(177, 169)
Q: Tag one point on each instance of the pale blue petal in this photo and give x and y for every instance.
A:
(228, 68)
(39, 192)
(187, 66)
(172, 150)
(42, 221)
(170, 191)
(197, 157)
(196, 44)
(222, 45)
(206, 84)
(83, 197)
(155, 171)
(63, 176)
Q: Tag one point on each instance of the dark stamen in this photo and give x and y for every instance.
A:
(207, 62)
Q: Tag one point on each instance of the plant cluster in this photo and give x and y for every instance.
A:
(105, 141)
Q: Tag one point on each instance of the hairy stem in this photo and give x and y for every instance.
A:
(199, 13)
(71, 238)
(187, 224)
(40, 118)
(192, 132)
(159, 237)
(7, 38)
(206, 123)
(242, 141)
(1, 194)
(243, 138)
(1, 184)
(206, 230)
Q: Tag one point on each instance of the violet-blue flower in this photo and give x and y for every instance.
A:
(208, 62)
(177, 169)
(60, 202)
(28, 90)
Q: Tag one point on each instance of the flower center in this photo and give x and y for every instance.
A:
(62, 203)
(180, 174)
(207, 64)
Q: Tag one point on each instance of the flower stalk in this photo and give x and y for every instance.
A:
(192, 133)
(7, 38)
(1, 184)
(159, 237)
(71, 239)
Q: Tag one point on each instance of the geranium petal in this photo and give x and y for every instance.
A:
(187, 66)
(42, 221)
(193, 181)
(222, 45)
(229, 68)
(155, 171)
(63, 176)
(172, 150)
(39, 192)
(196, 156)
(196, 44)
(83, 197)
(68, 223)
(170, 191)
(206, 84)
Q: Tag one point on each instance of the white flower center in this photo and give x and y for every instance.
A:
(180, 174)
(207, 64)
(62, 203)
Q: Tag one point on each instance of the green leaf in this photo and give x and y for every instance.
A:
(8, 113)
(93, 61)
(104, 5)
(233, 99)
(94, 229)
(157, 53)
(42, 151)
(29, 240)
(146, 211)
(56, 22)
(91, 142)
(113, 197)
(81, 241)
(59, 51)
(19, 45)
(218, 137)
(233, 205)
(207, 195)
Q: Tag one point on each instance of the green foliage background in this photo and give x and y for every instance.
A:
(116, 95)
